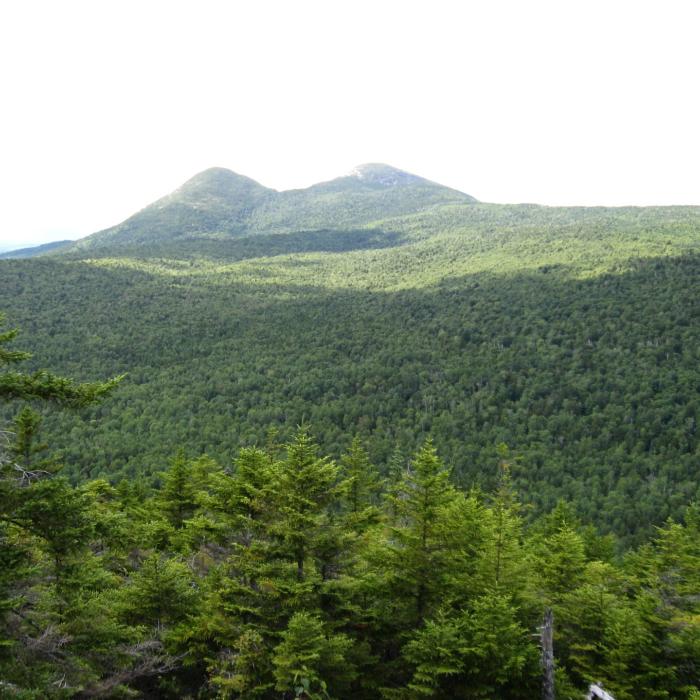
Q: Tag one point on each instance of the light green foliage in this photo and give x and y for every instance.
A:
(246, 495)
(362, 484)
(160, 592)
(309, 663)
(304, 485)
(178, 491)
(418, 552)
(483, 652)
(561, 561)
(244, 670)
(505, 566)
(569, 334)
(362, 478)
(24, 450)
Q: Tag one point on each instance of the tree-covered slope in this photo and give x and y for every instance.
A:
(220, 204)
(214, 201)
(370, 192)
(569, 334)
(290, 572)
(36, 250)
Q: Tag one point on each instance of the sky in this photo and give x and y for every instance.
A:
(107, 106)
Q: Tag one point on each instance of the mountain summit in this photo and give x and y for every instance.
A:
(218, 203)
(216, 200)
(383, 175)
(219, 185)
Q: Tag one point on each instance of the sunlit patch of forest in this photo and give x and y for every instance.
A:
(571, 335)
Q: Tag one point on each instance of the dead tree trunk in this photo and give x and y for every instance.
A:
(547, 640)
(596, 692)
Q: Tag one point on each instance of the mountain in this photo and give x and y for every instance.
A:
(35, 250)
(388, 307)
(371, 193)
(213, 202)
(220, 204)
(550, 355)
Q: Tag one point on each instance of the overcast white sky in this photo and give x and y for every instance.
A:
(108, 105)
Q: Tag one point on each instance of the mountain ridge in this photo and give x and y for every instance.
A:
(220, 203)
(35, 250)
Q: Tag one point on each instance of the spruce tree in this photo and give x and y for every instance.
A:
(44, 385)
(305, 487)
(362, 482)
(309, 663)
(177, 495)
(418, 554)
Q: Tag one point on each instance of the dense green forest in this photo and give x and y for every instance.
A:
(359, 438)
(288, 574)
(571, 335)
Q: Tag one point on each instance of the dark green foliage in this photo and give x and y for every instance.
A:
(469, 326)
(362, 479)
(178, 491)
(265, 586)
(569, 335)
(309, 663)
(42, 384)
(159, 593)
(418, 548)
(482, 652)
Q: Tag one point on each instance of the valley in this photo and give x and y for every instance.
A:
(571, 335)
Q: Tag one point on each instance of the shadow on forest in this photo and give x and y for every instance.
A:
(592, 381)
(222, 250)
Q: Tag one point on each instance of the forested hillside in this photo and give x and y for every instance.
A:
(224, 205)
(360, 437)
(571, 335)
(289, 575)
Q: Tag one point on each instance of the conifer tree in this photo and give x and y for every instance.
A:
(43, 521)
(245, 496)
(561, 562)
(396, 469)
(480, 652)
(305, 486)
(44, 385)
(505, 568)
(177, 494)
(243, 607)
(309, 663)
(24, 450)
(160, 593)
(418, 553)
(363, 482)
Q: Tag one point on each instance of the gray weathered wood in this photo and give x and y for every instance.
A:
(548, 655)
(595, 692)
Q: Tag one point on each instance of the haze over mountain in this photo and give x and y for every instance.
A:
(32, 251)
(219, 204)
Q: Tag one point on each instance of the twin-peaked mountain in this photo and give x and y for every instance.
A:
(221, 204)
(384, 306)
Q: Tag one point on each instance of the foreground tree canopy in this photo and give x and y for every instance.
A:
(289, 574)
